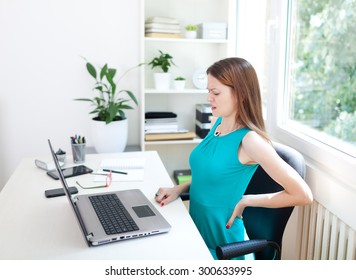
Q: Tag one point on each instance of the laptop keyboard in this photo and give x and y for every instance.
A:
(112, 214)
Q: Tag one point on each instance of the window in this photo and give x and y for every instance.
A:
(320, 76)
(311, 82)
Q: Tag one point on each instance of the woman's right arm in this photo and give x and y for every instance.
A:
(167, 195)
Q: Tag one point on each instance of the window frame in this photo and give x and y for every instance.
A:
(318, 155)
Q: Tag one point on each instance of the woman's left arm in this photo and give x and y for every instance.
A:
(255, 149)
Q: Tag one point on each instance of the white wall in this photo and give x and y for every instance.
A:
(41, 70)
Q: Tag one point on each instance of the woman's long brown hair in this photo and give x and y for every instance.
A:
(240, 75)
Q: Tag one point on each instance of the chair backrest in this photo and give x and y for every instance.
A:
(269, 223)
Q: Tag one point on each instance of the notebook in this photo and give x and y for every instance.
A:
(145, 219)
(134, 169)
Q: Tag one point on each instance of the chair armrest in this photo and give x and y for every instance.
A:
(233, 250)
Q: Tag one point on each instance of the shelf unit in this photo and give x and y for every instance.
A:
(188, 56)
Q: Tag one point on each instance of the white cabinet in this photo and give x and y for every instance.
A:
(188, 56)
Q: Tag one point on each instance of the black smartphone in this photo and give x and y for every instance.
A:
(70, 171)
(59, 192)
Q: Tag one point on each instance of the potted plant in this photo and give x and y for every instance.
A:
(109, 125)
(179, 83)
(163, 62)
(191, 31)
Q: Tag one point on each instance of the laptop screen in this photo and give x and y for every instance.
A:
(66, 190)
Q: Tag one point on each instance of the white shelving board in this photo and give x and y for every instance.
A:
(188, 56)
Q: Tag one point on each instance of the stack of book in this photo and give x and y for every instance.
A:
(164, 126)
(160, 122)
(162, 27)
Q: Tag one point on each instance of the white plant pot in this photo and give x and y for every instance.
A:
(191, 34)
(109, 138)
(179, 85)
(162, 80)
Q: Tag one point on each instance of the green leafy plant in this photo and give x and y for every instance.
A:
(191, 28)
(163, 61)
(180, 78)
(109, 104)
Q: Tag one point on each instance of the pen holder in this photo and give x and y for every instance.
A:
(78, 151)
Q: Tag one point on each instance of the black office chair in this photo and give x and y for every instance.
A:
(264, 226)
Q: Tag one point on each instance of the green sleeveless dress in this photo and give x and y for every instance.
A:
(219, 180)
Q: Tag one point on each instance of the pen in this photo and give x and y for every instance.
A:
(77, 139)
(115, 171)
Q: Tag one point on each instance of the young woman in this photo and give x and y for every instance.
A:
(224, 162)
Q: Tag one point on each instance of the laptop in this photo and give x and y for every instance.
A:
(138, 217)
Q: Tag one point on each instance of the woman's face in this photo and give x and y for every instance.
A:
(221, 98)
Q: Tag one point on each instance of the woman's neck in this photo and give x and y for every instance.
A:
(227, 126)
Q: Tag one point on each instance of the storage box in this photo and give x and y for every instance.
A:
(203, 118)
(212, 30)
(202, 129)
(203, 113)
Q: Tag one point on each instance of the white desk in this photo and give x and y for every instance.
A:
(35, 227)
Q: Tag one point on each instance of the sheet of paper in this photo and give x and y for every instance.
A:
(134, 167)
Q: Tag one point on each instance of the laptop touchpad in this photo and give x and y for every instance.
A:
(143, 211)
